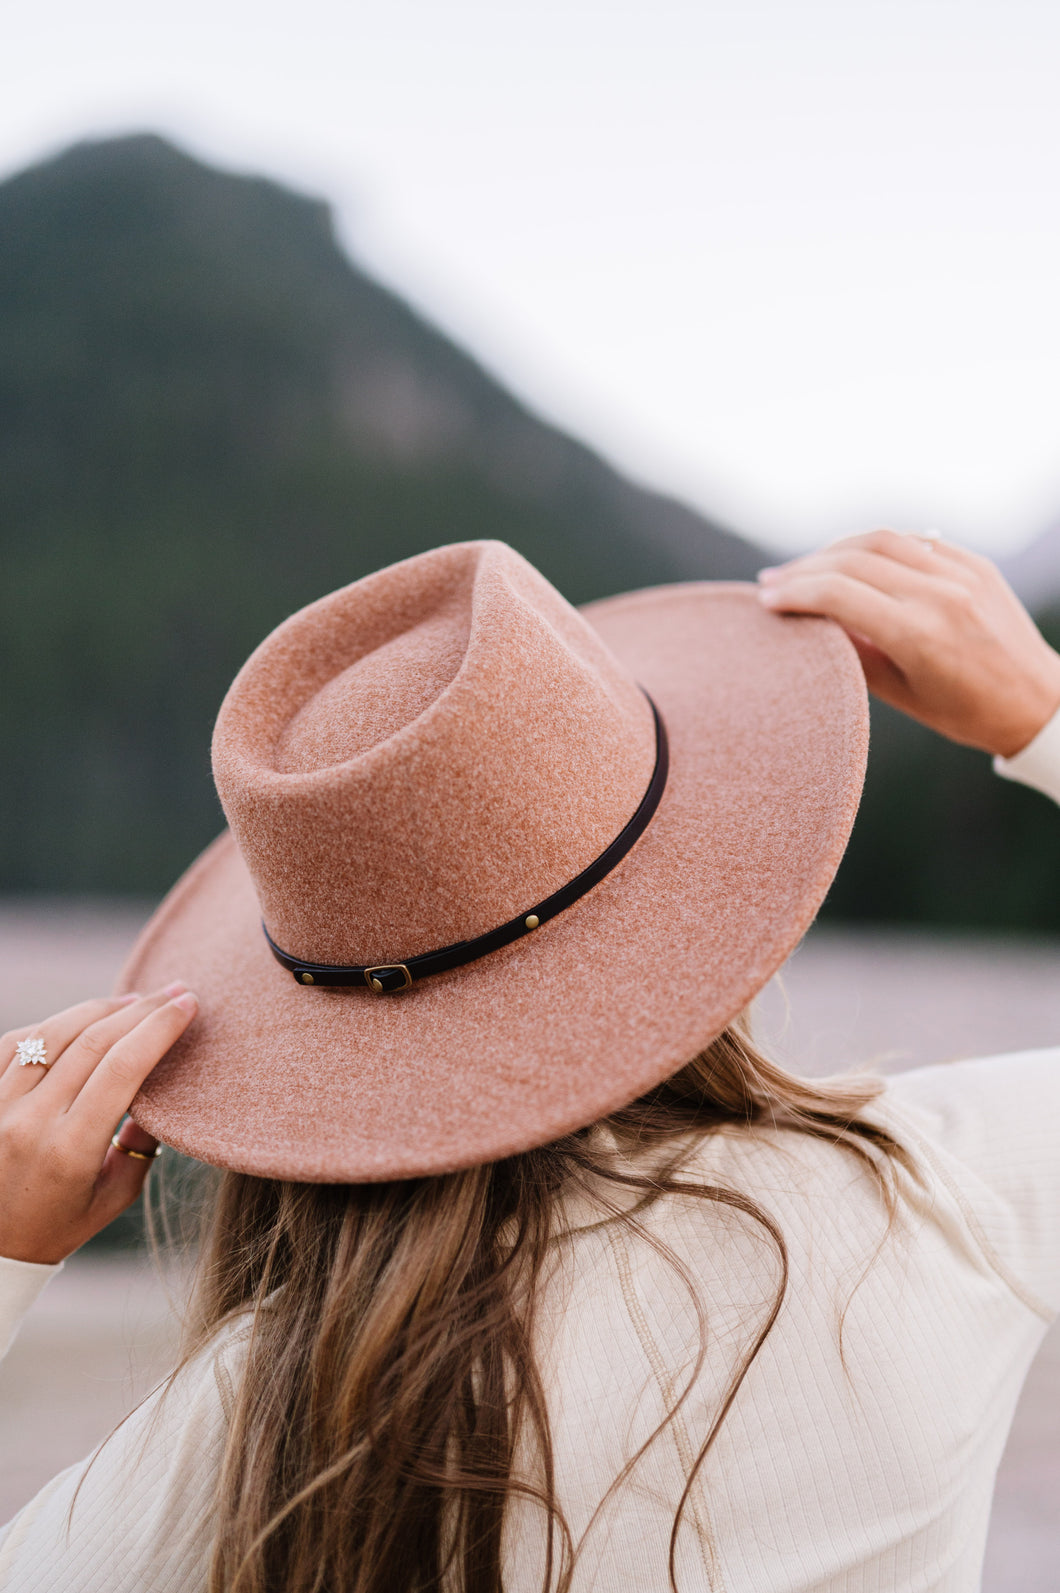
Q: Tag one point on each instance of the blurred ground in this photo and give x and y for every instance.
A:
(55, 952)
(104, 1330)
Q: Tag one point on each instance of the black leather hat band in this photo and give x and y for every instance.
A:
(388, 978)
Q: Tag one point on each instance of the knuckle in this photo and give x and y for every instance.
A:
(933, 626)
(137, 1053)
(171, 1020)
(858, 563)
(965, 579)
(882, 540)
(69, 1165)
(981, 567)
(31, 1142)
(978, 561)
(826, 584)
(963, 603)
(69, 1149)
(929, 642)
(62, 1157)
(95, 1040)
(18, 1136)
(125, 1068)
(99, 1007)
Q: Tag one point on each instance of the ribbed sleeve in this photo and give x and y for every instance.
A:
(20, 1284)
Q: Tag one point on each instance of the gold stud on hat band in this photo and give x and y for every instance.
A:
(389, 978)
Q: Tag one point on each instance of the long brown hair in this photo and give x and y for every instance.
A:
(389, 1367)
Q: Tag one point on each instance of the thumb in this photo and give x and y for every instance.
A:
(125, 1169)
(882, 675)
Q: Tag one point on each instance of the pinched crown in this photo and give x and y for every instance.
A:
(411, 760)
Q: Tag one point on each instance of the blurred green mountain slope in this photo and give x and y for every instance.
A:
(208, 417)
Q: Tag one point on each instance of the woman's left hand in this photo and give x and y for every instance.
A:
(61, 1179)
(940, 633)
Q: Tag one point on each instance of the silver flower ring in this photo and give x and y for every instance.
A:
(32, 1051)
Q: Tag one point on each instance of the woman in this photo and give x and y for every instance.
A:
(527, 1268)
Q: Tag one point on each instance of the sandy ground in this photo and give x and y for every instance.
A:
(103, 1332)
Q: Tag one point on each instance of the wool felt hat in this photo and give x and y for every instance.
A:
(426, 755)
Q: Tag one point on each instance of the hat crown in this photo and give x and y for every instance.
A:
(419, 757)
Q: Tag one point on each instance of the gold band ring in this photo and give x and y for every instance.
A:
(137, 1156)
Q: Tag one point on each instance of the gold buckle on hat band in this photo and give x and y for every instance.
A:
(389, 978)
(379, 977)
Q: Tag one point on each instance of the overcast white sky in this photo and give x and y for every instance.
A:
(795, 260)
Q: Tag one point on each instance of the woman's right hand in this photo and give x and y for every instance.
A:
(940, 633)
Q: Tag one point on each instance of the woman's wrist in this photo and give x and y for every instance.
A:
(1038, 706)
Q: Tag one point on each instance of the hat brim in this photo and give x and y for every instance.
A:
(768, 727)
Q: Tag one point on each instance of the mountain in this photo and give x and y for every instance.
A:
(208, 416)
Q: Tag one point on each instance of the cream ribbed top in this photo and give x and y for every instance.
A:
(872, 1471)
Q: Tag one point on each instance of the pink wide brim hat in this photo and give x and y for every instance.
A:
(430, 753)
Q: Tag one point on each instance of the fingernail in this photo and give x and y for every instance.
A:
(769, 596)
(186, 1002)
(127, 1001)
(769, 572)
(175, 988)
